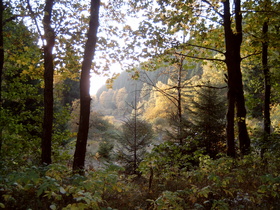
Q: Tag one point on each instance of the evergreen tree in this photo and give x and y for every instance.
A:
(71, 91)
(209, 110)
(133, 140)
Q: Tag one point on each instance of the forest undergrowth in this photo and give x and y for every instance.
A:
(225, 183)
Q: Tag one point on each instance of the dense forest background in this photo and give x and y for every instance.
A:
(192, 122)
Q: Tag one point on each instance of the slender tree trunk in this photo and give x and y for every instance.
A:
(179, 100)
(135, 132)
(48, 79)
(244, 140)
(267, 85)
(1, 65)
(80, 151)
(230, 125)
(231, 85)
(233, 42)
(1, 48)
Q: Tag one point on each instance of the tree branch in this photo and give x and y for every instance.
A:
(207, 2)
(208, 86)
(199, 58)
(204, 47)
(205, 17)
(35, 20)
(162, 91)
(247, 56)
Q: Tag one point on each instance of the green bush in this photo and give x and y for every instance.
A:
(54, 187)
(105, 149)
(225, 183)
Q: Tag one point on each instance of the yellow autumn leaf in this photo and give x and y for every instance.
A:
(24, 72)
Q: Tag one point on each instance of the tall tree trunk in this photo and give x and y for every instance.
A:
(231, 77)
(48, 79)
(244, 140)
(179, 101)
(80, 151)
(1, 64)
(135, 131)
(233, 42)
(230, 124)
(267, 85)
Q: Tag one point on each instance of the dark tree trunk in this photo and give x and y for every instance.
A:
(1, 62)
(48, 79)
(244, 140)
(231, 85)
(135, 132)
(233, 42)
(179, 101)
(267, 85)
(1, 48)
(80, 151)
(230, 124)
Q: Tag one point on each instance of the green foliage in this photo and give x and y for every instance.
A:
(54, 187)
(105, 149)
(71, 91)
(173, 176)
(253, 87)
(133, 140)
(224, 183)
(221, 184)
(21, 99)
(168, 200)
(208, 114)
(170, 159)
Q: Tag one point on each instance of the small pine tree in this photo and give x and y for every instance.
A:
(209, 110)
(105, 149)
(133, 140)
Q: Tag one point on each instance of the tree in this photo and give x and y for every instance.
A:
(48, 81)
(174, 91)
(133, 139)
(1, 55)
(80, 151)
(1, 64)
(120, 98)
(21, 93)
(209, 108)
(206, 23)
(135, 135)
(262, 20)
(70, 91)
(233, 40)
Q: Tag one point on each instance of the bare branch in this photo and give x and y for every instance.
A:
(247, 56)
(261, 11)
(217, 12)
(35, 20)
(199, 58)
(162, 91)
(204, 47)
(10, 19)
(208, 86)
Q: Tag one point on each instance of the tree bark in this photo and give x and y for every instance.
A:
(135, 132)
(48, 79)
(80, 151)
(179, 100)
(1, 63)
(233, 42)
(267, 85)
(231, 85)
(1, 48)
(230, 124)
